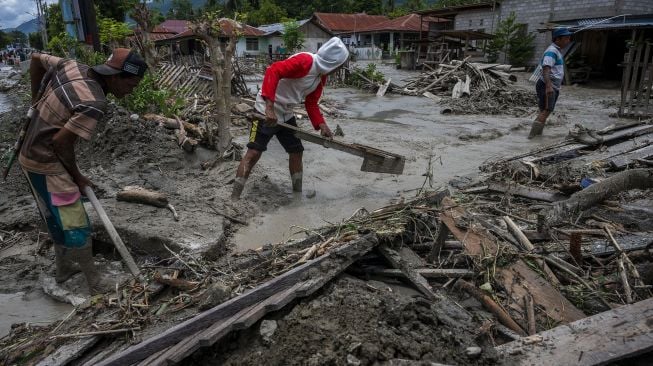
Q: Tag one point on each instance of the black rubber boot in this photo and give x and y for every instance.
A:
(297, 181)
(65, 267)
(97, 284)
(237, 190)
(536, 129)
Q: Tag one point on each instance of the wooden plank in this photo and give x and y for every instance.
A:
(398, 262)
(429, 272)
(572, 150)
(440, 240)
(639, 107)
(339, 259)
(383, 88)
(527, 192)
(633, 79)
(626, 159)
(600, 339)
(626, 76)
(69, 352)
(517, 278)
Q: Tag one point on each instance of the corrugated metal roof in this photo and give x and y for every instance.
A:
(278, 27)
(175, 25)
(248, 31)
(617, 22)
(342, 22)
(406, 23)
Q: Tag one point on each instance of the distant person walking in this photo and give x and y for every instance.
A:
(553, 72)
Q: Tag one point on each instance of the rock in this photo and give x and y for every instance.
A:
(267, 329)
(134, 117)
(339, 131)
(243, 108)
(352, 360)
(473, 351)
(311, 193)
(214, 296)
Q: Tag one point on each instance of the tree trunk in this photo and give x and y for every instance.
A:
(142, 17)
(599, 192)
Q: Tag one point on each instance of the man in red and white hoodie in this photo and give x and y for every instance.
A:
(287, 83)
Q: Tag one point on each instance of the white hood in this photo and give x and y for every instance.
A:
(331, 55)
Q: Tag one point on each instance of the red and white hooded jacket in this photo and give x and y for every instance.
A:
(300, 78)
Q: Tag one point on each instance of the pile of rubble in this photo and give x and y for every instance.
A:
(472, 88)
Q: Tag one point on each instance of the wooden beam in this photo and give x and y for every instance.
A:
(401, 263)
(338, 260)
(623, 160)
(429, 272)
(600, 339)
(522, 191)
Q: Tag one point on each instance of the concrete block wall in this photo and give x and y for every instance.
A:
(636, 7)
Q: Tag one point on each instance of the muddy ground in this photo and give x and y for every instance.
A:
(125, 152)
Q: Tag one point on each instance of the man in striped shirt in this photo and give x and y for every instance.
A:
(548, 86)
(73, 101)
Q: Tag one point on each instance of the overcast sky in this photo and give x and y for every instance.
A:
(15, 12)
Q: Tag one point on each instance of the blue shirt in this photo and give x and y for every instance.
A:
(553, 58)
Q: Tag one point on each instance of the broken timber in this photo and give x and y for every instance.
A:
(402, 263)
(596, 340)
(517, 278)
(519, 190)
(331, 264)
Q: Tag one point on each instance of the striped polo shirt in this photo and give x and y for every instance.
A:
(72, 100)
(553, 58)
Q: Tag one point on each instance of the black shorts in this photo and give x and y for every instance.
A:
(540, 89)
(260, 135)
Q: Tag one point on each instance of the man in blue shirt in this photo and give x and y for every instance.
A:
(548, 86)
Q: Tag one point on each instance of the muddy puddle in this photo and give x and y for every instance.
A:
(4, 103)
(32, 307)
(415, 128)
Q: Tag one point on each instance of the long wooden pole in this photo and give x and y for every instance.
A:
(115, 238)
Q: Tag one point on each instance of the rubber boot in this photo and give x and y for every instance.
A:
(296, 181)
(97, 284)
(536, 129)
(64, 266)
(239, 185)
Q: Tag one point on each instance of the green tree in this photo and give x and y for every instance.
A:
(112, 32)
(268, 13)
(511, 43)
(181, 9)
(4, 39)
(115, 10)
(54, 21)
(293, 38)
(35, 41)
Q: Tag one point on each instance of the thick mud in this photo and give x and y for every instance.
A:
(357, 322)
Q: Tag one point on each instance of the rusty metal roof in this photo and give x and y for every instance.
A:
(406, 23)
(343, 22)
(175, 25)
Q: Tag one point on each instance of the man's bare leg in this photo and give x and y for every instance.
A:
(244, 169)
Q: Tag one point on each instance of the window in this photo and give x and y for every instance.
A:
(251, 44)
(481, 22)
(470, 22)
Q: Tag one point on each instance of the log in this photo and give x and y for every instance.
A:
(491, 306)
(428, 272)
(171, 123)
(530, 314)
(137, 194)
(599, 192)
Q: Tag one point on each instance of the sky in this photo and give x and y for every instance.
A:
(15, 12)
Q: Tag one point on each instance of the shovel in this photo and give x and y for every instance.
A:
(115, 238)
(374, 160)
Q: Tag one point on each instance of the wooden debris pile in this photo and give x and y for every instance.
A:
(471, 88)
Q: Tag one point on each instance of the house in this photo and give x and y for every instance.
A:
(314, 36)
(186, 42)
(602, 38)
(348, 26)
(392, 35)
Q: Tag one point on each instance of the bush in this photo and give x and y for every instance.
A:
(63, 45)
(148, 97)
(512, 41)
(369, 72)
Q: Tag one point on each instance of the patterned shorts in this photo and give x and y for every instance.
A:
(60, 205)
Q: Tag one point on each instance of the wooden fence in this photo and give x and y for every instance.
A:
(637, 78)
